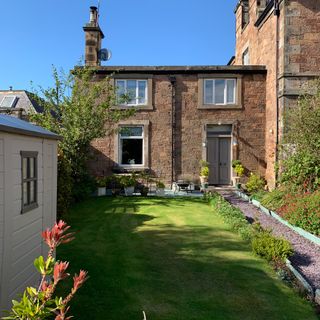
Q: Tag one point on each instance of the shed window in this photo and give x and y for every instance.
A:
(29, 169)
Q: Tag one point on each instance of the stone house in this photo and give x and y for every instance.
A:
(216, 113)
(184, 114)
(284, 36)
(18, 103)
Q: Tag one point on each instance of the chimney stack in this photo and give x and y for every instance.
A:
(93, 39)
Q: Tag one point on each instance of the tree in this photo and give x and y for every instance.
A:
(79, 108)
(301, 142)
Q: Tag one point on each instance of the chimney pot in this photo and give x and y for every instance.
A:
(93, 15)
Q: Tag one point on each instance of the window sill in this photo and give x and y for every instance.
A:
(129, 169)
(219, 106)
(137, 108)
(29, 207)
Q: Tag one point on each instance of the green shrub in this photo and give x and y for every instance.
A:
(160, 185)
(101, 182)
(83, 188)
(204, 172)
(255, 183)
(128, 181)
(263, 242)
(265, 245)
(239, 170)
(234, 163)
(232, 216)
(303, 211)
(273, 200)
(259, 195)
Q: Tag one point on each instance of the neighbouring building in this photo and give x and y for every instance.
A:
(18, 103)
(216, 113)
(28, 187)
(284, 36)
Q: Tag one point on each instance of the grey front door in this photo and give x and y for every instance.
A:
(219, 160)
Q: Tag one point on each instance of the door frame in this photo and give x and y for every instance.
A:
(232, 142)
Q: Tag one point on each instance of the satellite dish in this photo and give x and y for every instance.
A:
(105, 55)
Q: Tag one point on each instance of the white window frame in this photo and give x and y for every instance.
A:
(127, 138)
(137, 92)
(12, 103)
(246, 57)
(225, 103)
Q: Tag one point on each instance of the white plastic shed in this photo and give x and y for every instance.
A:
(28, 192)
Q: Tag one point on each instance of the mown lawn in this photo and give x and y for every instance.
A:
(172, 258)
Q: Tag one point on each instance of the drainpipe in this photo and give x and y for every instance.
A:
(173, 126)
(277, 14)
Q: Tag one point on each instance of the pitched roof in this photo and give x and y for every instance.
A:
(15, 125)
(24, 100)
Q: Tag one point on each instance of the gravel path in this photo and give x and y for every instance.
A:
(306, 258)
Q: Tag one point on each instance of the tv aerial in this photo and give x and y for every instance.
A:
(105, 54)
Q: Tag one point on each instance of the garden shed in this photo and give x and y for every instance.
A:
(28, 184)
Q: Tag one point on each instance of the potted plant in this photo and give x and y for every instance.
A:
(109, 185)
(143, 185)
(129, 182)
(160, 188)
(239, 170)
(204, 174)
(101, 185)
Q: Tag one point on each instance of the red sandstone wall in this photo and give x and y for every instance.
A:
(189, 127)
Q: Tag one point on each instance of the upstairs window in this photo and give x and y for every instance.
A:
(8, 102)
(261, 5)
(29, 168)
(131, 146)
(131, 92)
(245, 13)
(246, 57)
(220, 91)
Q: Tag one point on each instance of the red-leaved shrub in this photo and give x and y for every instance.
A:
(303, 210)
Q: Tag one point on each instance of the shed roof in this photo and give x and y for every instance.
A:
(15, 125)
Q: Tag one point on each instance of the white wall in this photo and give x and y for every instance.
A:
(21, 240)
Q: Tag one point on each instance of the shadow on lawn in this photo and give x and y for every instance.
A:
(171, 272)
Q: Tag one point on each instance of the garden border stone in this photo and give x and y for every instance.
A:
(301, 279)
(307, 235)
(314, 293)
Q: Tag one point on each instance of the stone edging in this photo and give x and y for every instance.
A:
(314, 293)
(307, 235)
(300, 278)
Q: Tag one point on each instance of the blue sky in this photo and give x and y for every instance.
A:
(37, 34)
